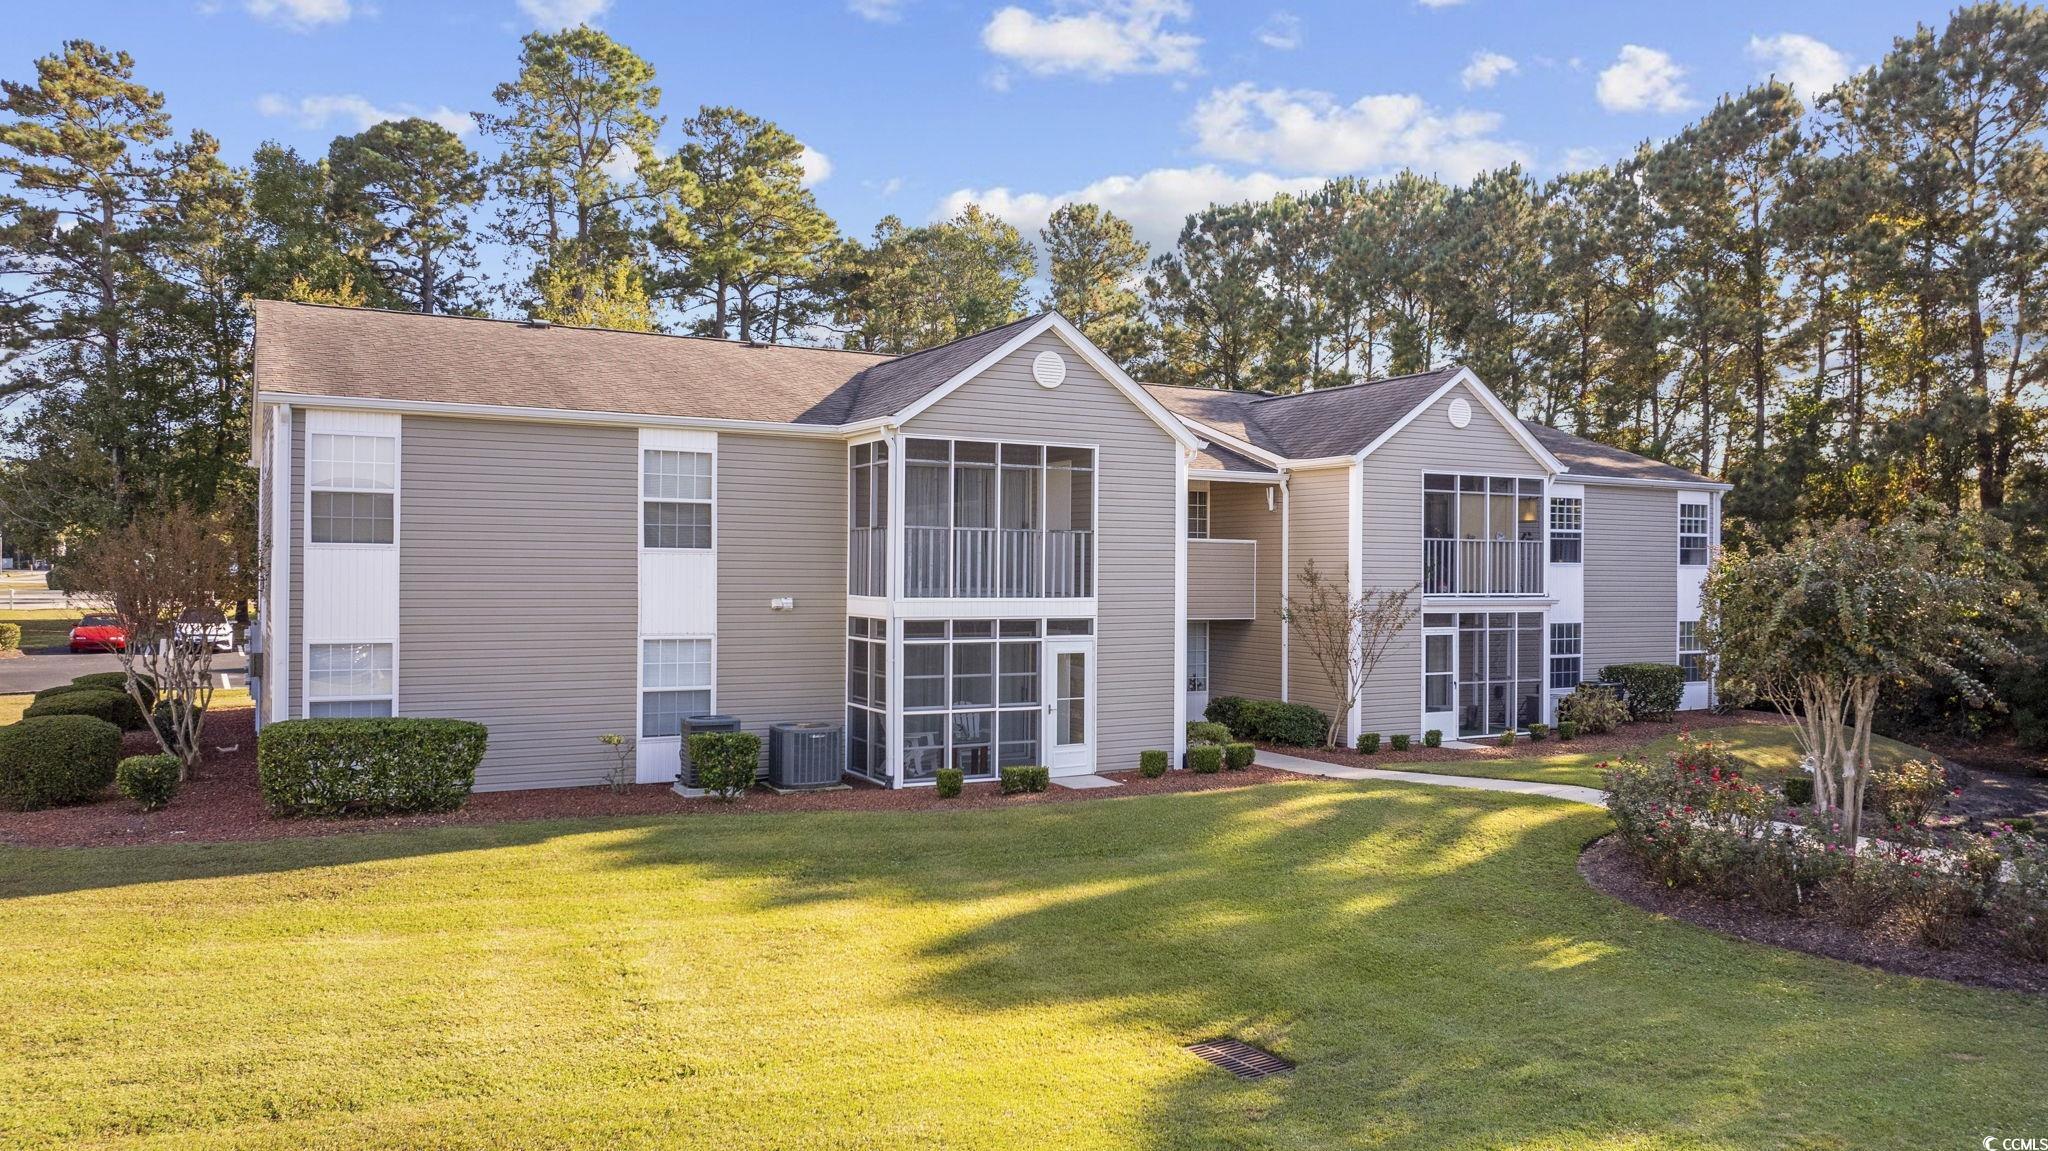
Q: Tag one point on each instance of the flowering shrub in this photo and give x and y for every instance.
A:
(1905, 794)
(1691, 820)
(1592, 710)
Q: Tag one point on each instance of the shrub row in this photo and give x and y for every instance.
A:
(56, 759)
(1269, 721)
(1653, 690)
(374, 766)
(1693, 821)
(114, 707)
(1016, 780)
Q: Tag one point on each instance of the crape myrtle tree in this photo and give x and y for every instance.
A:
(1820, 626)
(1347, 636)
(159, 574)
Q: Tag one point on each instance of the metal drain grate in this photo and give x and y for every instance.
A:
(1239, 1058)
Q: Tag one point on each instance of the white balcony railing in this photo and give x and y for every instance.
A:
(1482, 567)
(986, 563)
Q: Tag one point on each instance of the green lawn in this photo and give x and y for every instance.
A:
(42, 627)
(1020, 978)
(11, 706)
(1767, 752)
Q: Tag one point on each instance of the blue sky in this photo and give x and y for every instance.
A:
(1151, 107)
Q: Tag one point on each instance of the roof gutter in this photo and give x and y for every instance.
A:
(1572, 477)
(572, 416)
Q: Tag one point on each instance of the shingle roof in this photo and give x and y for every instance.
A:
(1304, 425)
(1217, 458)
(1594, 459)
(1343, 420)
(895, 384)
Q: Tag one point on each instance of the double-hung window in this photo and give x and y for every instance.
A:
(349, 680)
(1198, 515)
(1567, 655)
(1692, 655)
(675, 681)
(352, 486)
(675, 499)
(1692, 535)
(1567, 529)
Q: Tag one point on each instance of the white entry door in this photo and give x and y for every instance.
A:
(1070, 706)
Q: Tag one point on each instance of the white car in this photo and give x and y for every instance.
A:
(220, 636)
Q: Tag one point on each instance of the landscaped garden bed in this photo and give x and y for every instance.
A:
(224, 801)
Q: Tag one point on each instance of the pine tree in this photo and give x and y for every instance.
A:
(1094, 265)
(406, 187)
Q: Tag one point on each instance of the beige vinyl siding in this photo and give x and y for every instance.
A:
(295, 684)
(518, 590)
(1392, 700)
(1136, 616)
(781, 532)
(1244, 656)
(1631, 573)
(1222, 580)
(1319, 515)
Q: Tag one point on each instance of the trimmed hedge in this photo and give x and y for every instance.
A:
(1538, 732)
(726, 762)
(1238, 756)
(1566, 730)
(949, 781)
(1400, 743)
(1432, 738)
(1017, 780)
(1153, 763)
(1206, 759)
(111, 706)
(1592, 709)
(373, 766)
(56, 759)
(1798, 789)
(1507, 738)
(1208, 733)
(10, 637)
(1369, 743)
(1270, 721)
(118, 681)
(150, 780)
(1652, 690)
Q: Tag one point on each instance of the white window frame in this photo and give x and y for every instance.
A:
(975, 607)
(1696, 649)
(642, 689)
(1576, 654)
(389, 698)
(313, 443)
(1198, 513)
(1705, 535)
(1198, 668)
(1572, 526)
(709, 501)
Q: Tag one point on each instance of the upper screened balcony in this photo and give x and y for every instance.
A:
(981, 519)
(1482, 536)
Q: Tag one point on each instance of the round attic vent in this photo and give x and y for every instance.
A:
(1460, 412)
(1049, 369)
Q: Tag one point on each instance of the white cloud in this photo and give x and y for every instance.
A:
(1439, 3)
(315, 112)
(1486, 69)
(1306, 131)
(551, 15)
(1643, 80)
(879, 11)
(884, 188)
(1096, 38)
(817, 167)
(300, 14)
(1155, 202)
(1805, 63)
(1282, 30)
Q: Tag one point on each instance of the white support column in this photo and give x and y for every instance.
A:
(277, 669)
(1180, 607)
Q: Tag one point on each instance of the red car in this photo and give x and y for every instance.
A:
(98, 633)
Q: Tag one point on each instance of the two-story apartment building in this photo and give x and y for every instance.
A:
(999, 551)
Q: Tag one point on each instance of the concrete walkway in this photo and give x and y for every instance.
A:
(1300, 766)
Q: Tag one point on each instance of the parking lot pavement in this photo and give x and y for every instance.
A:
(38, 670)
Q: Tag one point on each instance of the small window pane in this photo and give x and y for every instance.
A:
(1070, 627)
(676, 475)
(924, 675)
(349, 709)
(924, 745)
(348, 670)
(662, 712)
(677, 525)
(352, 517)
(357, 462)
(974, 675)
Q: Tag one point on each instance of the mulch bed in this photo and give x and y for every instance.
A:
(1886, 947)
(225, 803)
(1625, 738)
